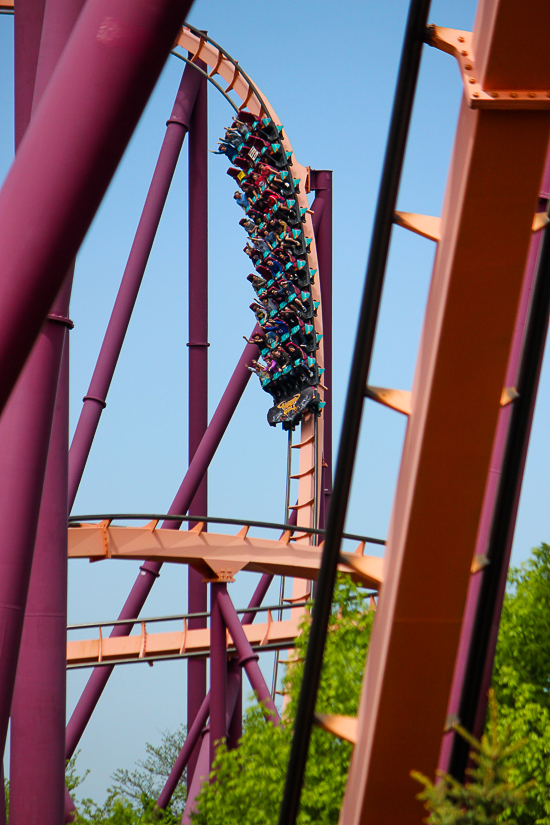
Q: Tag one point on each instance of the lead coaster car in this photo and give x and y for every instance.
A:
(290, 411)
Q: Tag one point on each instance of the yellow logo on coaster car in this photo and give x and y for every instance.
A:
(290, 405)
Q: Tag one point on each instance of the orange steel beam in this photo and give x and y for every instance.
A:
(488, 210)
(185, 641)
(217, 557)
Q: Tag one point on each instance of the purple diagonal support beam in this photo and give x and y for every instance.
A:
(201, 717)
(95, 399)
(203, 763)
(28, 17)
(150, 570)
(218, 668)
(248, 658)
(198, 371)
(106, 74)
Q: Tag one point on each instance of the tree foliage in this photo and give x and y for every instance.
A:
(149, 777)
(248, 781)
(521, 680)
(490, 795)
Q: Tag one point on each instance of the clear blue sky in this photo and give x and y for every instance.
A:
(329, 71)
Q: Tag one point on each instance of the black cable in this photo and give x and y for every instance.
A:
(393, 162)
(493, 585)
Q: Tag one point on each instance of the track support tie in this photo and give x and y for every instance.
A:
(425, 225)
(399, 400)
(367, 568)
(509, 394)
(429, 226)
(344, 727)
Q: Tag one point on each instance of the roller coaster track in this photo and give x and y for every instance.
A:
(453, 408)
(221, 64)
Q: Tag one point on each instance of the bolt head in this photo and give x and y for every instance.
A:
(461, 40)
(494, 94)
(468, 67)
(464, 54)
(471, 80)
(475, 94)
(513, 94)
(531, 94)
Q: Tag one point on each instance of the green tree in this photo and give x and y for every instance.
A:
(249, 780)
(491, 795)
(521, 680)
(149, 777)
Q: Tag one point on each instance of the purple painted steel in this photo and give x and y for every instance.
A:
(150, 570)
(180, 764)
(28, 19)
(37, 761)
(235, 723)
(213, 435)
(3, 820)
(247, 657)
(202, 769)
(201, 717)
(321, 182)
(106, 74)
(198, 371)
(70, 808)
(37, 764)
(28, 16)
(484, 527)
(94, 401)
(218, 667)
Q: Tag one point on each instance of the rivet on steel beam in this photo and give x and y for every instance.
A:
(508, 395)
(461, 40)
(480, 561)
(531, 94)
(471, 80)
(494, 94)
(468, 67)
(513, 94)
(475, 94)
(451, 722)
(464, 53)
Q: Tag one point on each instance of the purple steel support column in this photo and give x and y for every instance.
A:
(150, 570)
(322, 184)
(37, 764)
(203, 767)
(247, 657)
(218, 668)
(485, 523)
(202, 771)
(28, 18)
(235, 726)
(198, 371)
(200, 719)
(106, 74)
(94, 401)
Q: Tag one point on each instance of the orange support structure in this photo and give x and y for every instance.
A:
(490, 201)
